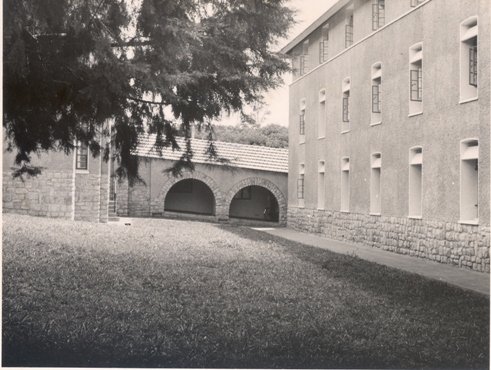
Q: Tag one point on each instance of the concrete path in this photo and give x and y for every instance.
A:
(476, 281)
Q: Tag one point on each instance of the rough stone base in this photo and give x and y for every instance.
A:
(48, 194)
(452, 243)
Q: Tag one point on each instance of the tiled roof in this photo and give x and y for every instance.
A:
(240, 155)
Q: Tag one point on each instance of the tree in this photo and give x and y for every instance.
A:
(70, 66)
(272, 135)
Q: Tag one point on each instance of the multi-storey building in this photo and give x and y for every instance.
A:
(390, 127)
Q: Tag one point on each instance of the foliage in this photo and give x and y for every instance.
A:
(272, 135)
(163, 293)
(72, 66)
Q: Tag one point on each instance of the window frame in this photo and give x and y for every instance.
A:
(473, 65)
(348, 31)
(301, 123)
(301, 186)
(378, 14)
(324, 44)
(82, 151)
(416, 84)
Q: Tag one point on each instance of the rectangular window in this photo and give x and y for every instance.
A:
(346, 107)
(348, 33)
(376, 116)
(417, 84)
(300, 186)
(416, 79)
(321, 186)
(469, 181)
(323, 45)
(304, 58)
(416, 2)
(345, 184)
(302, 123)
(375, 201)
(473, 65)
(468, 59)
(346, 86)
(378, 14)
(415, 182)
(375, 98)
(322, 120)
(82, 156)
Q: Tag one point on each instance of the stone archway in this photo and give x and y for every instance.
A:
(258, 181)
(158, 203)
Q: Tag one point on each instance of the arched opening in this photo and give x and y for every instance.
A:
(254, 203)
(190, 196)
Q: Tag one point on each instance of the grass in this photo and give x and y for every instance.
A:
(164, 293)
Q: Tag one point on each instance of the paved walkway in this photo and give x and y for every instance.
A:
(466, 279)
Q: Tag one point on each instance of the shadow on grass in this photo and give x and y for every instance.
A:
(379, 279)
(159, 315)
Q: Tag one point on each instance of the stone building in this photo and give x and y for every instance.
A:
(250, 187)
(390, 127)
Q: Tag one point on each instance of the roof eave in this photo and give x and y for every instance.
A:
(316, 24)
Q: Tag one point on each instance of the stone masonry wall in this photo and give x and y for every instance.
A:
(87, 196)
(122, 198)
(48, 194)
(139, 200)
(103, 198)
(452, 243)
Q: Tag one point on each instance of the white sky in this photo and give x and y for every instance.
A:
(277, 100)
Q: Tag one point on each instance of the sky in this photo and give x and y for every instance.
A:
(277, 100)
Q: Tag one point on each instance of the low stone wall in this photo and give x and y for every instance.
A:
(452, 243)
(139, 200)
(87, 197)
(48, 194)
(103, 198)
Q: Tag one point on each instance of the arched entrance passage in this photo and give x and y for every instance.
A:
(254, 203)
(190, 196)
(261, 183)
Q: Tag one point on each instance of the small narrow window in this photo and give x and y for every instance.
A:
(321, 128)
(375, 201)
(473, 65)
(346, 86)
(416, 79)
(415, 181)
(346, 106)
(416, 2)
(469, 181)
(301, 124)
(304, 58)
(82, 156)
(417, 84)
(324, 45)
(378, 14)
(348, 33)
(345, 184)
(321, 186)
(376, 114)
(468, 59)
(301, 185)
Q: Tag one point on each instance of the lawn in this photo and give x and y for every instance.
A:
(163, 293)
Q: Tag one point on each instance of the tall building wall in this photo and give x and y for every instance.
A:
(438, 126)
